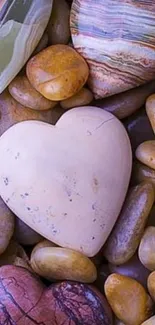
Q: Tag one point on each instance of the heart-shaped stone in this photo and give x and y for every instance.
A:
(24, 300)
(117, 39)
(68, 182)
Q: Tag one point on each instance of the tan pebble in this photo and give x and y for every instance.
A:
(42, 244)
(83, 97)
(24, 234)
(125, 237)
(42, 44)
(151, 285)
(150, 321)
(23, 92)
(146, 153)
(58, 27)
(147, 248)
(12, 112)
(128, 299)
(140, 173)
(63, 264)
(58, 72)
(150, 110)
(7, 221)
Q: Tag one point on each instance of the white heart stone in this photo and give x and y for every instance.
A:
(67, 182)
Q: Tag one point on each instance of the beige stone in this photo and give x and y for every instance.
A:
(146, 249)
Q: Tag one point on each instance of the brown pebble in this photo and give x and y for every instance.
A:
(146, 250)
(135, 126)
(63, 264)
(141, 173)
(128, 299)
(23, 92)
(126, 103)
(150, 110)
(7, 222)
(151, 284)
(24, 234)
(12, 112)
(125, 237)
(145, 153)
(133, 269)
(58, 27)
(150, 321)
(82, 98)
(42, 244)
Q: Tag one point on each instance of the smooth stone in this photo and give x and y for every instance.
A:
(145, 153)
(26, 299)
(151, 285)
(147, 248)
(58, 27)
(7, 222)
(88, 185)
(113, 47)
(82, 98)
(11, 112)
(42, 244)
(142, 173)
(24, 234)
(63, 264)
(150, 110)
(22, 24)
(128, 230)
(150, 321)
(58, 72)
(128, 299)
(24, 93)
(125, 104)
(133, 269)
(135, 126)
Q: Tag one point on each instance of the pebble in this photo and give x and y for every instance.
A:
(133, 269)
(11, 112)
(150, 321)
(23, 92)
(150, 110)
(42, 244)
(128, 299)
(82, 98)
(62, 303)
(58, 27)
(58, 72)
(147, 248)
(7, 221)
(125, 237)
(92, 196)
(145, 153)
(126, 103)
(135, 126)
(63, 264)
(141, 173)
(151, 285)
(24, 234)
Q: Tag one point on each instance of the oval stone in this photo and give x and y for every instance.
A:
(7, 222)
(146, 153)
(61, 161)
(128, 230)
(151, 284)
(150, 110)
(128, 299)
(147, 248)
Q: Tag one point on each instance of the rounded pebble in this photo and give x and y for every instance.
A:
(63, 264)
(125, 237)
(150, 110)
(133, 269)
(24, 234)
(147, 248)
(146, 153)
(58, 27)
(7, 222)
(128, 299)
(83, 97)
(58, 72)
(23, 92)
(151, 285)
(150, 321)
(42, 244)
